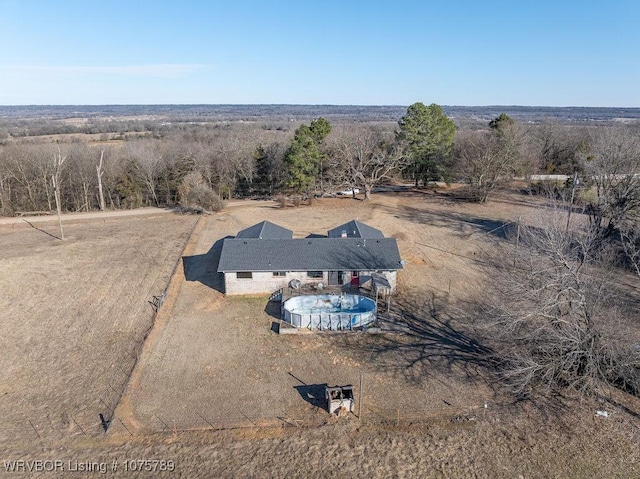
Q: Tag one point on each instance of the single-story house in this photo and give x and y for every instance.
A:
(265, 257)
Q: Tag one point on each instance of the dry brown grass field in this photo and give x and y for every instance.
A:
(219, 393)
(74, 313)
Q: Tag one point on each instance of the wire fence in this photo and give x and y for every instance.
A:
(30, 429)
(80, 425)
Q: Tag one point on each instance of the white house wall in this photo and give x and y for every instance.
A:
(266, 283)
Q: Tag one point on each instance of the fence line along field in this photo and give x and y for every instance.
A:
(73, 316)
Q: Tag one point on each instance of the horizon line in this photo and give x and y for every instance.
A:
(301, 104)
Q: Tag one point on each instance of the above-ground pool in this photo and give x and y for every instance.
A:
(329, 311)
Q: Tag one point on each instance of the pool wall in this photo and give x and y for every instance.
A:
(329, 311)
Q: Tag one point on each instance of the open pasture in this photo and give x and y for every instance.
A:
(73, 315)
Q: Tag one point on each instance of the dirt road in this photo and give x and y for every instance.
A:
(92, 215)
(86, 216)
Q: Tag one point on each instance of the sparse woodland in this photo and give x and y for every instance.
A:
(128, 164)
(557, 316)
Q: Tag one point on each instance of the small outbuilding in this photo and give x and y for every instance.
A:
(339, 399)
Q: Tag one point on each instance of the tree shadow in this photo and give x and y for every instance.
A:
(464, 225)
(204, 267)
(423, 339)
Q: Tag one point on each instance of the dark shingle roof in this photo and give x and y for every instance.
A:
(317, 254)
(355, 229)
(265, 230)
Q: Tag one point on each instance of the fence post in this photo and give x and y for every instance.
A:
(361, 398)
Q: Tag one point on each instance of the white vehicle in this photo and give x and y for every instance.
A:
(349, 192)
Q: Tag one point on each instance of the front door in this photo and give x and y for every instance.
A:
(355, 280)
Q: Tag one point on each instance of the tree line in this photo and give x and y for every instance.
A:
(202, 164)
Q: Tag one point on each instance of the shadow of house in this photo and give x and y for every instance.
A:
(204, 267)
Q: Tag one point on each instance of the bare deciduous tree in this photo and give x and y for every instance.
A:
(80, 181)
(149, 160)
(100, 173)
(556, 148)
(365, 157)
(556, 317)
(481, 162)
(613, 164)
(58, 161)
(630, 239)
(487, 159)
(194, 192)
(5, 185)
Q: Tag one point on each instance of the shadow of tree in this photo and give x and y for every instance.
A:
(463, 224)
(428, 340)
(204, 267)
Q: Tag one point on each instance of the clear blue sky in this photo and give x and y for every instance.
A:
(459, 52)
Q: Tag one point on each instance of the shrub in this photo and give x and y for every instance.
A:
(194, 192)
(205, 198)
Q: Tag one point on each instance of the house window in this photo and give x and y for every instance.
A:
(244, 275)
(314, 274)
(279, 273)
